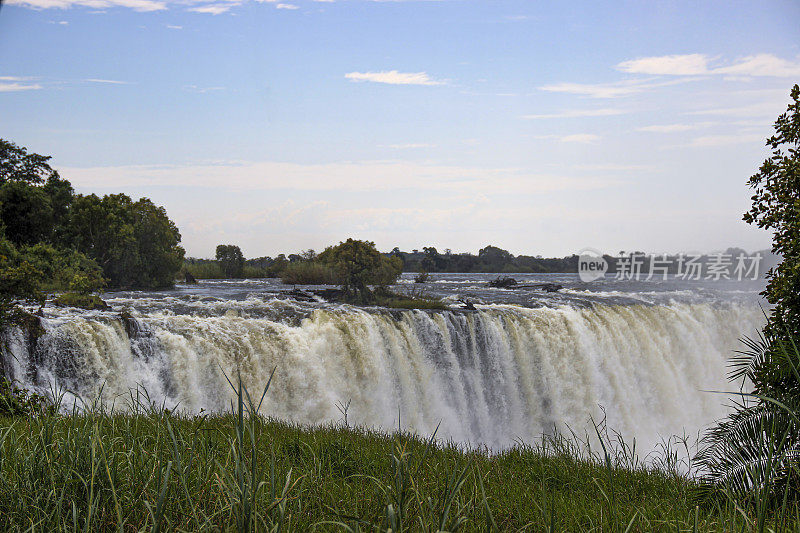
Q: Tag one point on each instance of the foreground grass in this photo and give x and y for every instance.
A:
(156, 471)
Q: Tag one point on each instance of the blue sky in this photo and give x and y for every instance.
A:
(541, 127)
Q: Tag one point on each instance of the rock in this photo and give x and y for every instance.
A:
(552, 287)
(331, 295)
(89, 302)
(130, 324)
(468, 306)
(32, 326)
(503, 282)
(547, 287)
(301, 296)
(190, 279)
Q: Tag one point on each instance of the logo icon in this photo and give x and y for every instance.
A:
(591, 265)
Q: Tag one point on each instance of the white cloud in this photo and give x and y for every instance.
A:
(573, 113)
(673, 128)
(725, 140)
(580, 138)
(677, 65)
(574, 138)
(409, 146)
(279, 5)
(197, 89)
(700, 64)
(10, 84)
(765, 109)
(353, 176)
(762, 65)
(214, 9)
(608, 167)
(174, 27)
(394, 77)
(112, 82)
(609, 90)
(136, 5)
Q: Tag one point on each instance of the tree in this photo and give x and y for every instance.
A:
(160, 255)
(67, 236)
(359, 264)
(61, 269)
(19, 281)
(776, 207)
(60, 193)
(756, 448)
(432, 260)
(16, 164)
(135, 243)
(26, 213)
(495, 258)
(230, 260)
(34, 200)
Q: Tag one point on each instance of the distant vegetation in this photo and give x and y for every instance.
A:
(298, 269)
(489, 259)
(295, 269)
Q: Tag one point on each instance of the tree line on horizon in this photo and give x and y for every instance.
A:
(488, 259)
(230, 262)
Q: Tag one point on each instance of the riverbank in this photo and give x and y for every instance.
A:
(159, 471)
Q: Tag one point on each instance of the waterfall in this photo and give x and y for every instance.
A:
(493, 377)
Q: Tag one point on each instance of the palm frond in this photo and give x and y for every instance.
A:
(756, 449)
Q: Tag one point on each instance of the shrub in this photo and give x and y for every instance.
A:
(15, 401)
(309, 273)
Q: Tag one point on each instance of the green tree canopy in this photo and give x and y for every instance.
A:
(135, 243)
(26, 212)
(359, 264)
(494, 257)
(16, 164)
(776, 207)
(34, 200)
(19, 281)
(231, 260)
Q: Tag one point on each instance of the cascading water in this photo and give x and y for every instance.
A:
(495, 376)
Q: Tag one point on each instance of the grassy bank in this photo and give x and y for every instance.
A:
(156, 471)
